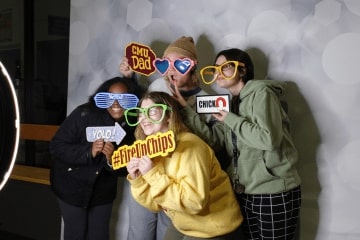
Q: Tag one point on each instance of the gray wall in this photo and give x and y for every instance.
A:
(313, 45)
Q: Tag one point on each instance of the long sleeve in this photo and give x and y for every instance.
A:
(261, 128)
(179, 182)
(212, 135)
(192, 189)
(69, 144)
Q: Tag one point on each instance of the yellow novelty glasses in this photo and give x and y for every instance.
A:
(228, 70)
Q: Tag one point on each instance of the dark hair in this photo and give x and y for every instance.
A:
(130, 83)
(235, 54)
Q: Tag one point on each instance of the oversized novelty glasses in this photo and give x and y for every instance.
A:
(181, 65)
(106, 99)
(227, 70)
(155, 113)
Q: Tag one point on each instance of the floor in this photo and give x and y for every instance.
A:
(12, 236)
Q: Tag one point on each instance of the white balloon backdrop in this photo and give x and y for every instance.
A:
(313, 45)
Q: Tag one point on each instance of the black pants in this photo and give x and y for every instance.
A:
(85, 223)
(270, 216)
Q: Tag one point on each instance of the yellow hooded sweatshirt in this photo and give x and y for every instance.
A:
(191, 188)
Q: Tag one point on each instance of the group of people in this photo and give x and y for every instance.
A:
(189, 193)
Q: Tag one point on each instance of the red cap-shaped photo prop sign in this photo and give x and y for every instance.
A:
(160, 144)
(140, 58)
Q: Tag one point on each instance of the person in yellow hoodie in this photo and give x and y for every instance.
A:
(188, 184)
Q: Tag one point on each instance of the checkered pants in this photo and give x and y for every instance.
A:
(270, 216)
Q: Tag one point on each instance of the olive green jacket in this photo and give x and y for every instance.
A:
(266, 153)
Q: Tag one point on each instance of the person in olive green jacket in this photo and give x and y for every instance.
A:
(256, 133)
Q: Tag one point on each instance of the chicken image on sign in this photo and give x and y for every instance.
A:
(212, 103)
(140, 58)
(160, 144)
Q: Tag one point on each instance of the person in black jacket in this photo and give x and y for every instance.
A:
(82, 177)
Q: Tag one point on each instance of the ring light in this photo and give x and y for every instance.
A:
(9, 126)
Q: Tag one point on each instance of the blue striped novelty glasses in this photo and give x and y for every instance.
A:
(125, 100)
(181, 65)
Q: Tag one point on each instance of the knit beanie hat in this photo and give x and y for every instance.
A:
(184, 46)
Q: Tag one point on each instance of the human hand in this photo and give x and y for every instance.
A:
(124, 67)
(97, 147)
(176, 93)
(220, 116)
(108, 150)
(133, 168)
(145, 164)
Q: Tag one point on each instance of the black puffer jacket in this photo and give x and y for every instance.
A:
(75, 176)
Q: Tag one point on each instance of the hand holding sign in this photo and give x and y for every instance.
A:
(125, 68)
(100, 146)
(138, 166)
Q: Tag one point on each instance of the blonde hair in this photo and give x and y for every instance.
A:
(175, 121)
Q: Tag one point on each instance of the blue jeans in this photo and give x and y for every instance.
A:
(144, 224)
